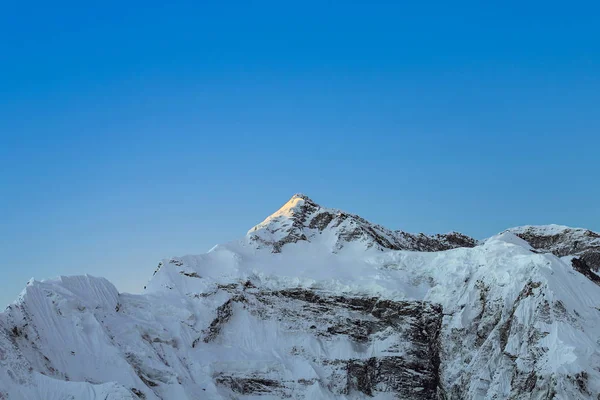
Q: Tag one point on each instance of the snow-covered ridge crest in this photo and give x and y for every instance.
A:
(301, 219)
(563, 241)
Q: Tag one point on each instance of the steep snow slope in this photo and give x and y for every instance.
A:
(314, 303)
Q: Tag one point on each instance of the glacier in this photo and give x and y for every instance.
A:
(318, 303)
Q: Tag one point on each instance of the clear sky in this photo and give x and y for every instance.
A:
(133, 131)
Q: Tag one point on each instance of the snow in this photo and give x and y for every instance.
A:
(288, 210)
(77, 336)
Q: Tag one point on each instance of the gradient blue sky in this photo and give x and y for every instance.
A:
(133, 131)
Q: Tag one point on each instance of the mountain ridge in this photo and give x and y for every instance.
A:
(302, 219)
(321, 310)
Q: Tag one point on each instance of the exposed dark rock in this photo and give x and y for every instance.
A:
(228, 287)
(138, 393)
(190, 274)
(359, 330)
(581, 266)
(249, 285)
(147, 381)
(16, 332)
(456, 239)
(592, 259)
(392, 374)
(362, 375)
(148, 375)
(248, 386)
(224, 312)
(160, 264)
(321, 221)
(581, 379)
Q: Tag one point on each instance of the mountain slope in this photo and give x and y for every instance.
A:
(316, 303)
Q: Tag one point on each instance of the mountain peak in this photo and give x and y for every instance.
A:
(302, 196)
(300, 219)
(296, 206)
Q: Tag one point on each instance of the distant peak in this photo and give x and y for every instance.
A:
(295, 205)
(300, 219)
(548, 230)
(302, 196)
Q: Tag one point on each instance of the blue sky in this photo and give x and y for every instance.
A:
(134, 131)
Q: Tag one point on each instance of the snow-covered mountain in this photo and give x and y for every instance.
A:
(301, 219)
(316, 303)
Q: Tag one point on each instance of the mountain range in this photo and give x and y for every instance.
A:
(318, 303)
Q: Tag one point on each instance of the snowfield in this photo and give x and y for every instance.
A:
(316, 303)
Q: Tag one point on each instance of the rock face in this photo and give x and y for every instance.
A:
(301, 219)
(401, 339)
(315, 303)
